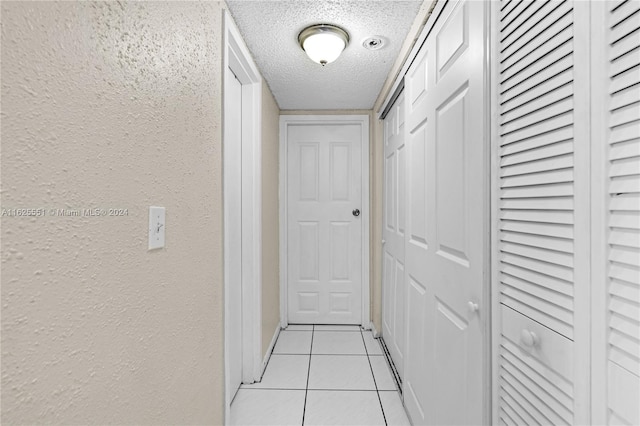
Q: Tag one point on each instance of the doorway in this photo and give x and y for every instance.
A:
(325, 219)
(242, 91)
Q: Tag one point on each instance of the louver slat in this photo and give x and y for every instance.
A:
(541, 102)
(557, 23)
(623, 47)
(534, 32)
(546, 164)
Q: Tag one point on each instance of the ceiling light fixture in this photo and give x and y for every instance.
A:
(323, 43)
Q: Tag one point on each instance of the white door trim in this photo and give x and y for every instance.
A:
(494, 148)
(237, 59)
(285, 122)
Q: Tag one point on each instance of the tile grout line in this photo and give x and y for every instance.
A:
(306, 391)
(299, 354)
(375, 383)
(318, 389)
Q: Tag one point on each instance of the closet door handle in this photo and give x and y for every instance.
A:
(473, 307)
(529, 338)
(356, 212)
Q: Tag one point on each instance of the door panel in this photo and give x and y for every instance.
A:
(450, 175)
(418, 382)
(309, 250)
(447, 234)
(394, 284)
(324, 238)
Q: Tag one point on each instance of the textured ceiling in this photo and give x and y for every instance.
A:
(270, 30)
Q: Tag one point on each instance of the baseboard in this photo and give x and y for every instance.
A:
(265, 361)
(375, 332)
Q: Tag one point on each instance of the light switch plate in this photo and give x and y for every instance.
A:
(156, 227)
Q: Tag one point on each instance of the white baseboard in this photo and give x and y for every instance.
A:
(265, 361)
(375, 332)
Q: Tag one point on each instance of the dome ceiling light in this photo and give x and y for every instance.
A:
(323, 43)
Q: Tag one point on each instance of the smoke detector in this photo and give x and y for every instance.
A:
(374, 43)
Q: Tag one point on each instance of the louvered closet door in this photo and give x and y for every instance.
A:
(621, 21)
(393, 282)
(543, 212)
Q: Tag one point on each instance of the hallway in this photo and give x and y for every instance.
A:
(322, 375)
(184, 184)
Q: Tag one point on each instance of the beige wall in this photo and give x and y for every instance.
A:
(377, 191)
(111, 105)
(270, 217)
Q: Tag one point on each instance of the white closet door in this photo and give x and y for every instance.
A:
(393, 282)
(543, 213)
(617, 57)
(447, 228)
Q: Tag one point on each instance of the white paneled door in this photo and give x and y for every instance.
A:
(324, 223)
(393, 230)
(447, 222)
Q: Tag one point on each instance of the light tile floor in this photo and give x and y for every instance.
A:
(322, 375)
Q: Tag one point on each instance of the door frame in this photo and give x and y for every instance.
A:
(237, 59)
(297, 120)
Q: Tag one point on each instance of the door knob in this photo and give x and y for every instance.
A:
(356, 212)
(473, 307)
(529, 338)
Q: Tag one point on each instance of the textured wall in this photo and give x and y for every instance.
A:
(270, 217)
(111, 104)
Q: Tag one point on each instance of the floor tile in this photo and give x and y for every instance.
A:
(340, 372)
(373, 345)
(284, 372)
(267, 407)
(299, 327)
(343, 408)
(337, 328)
(393, 410)
(382, 373)
(336, 342)
(293, 342)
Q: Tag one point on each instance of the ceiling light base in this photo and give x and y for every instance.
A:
(323, 43)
